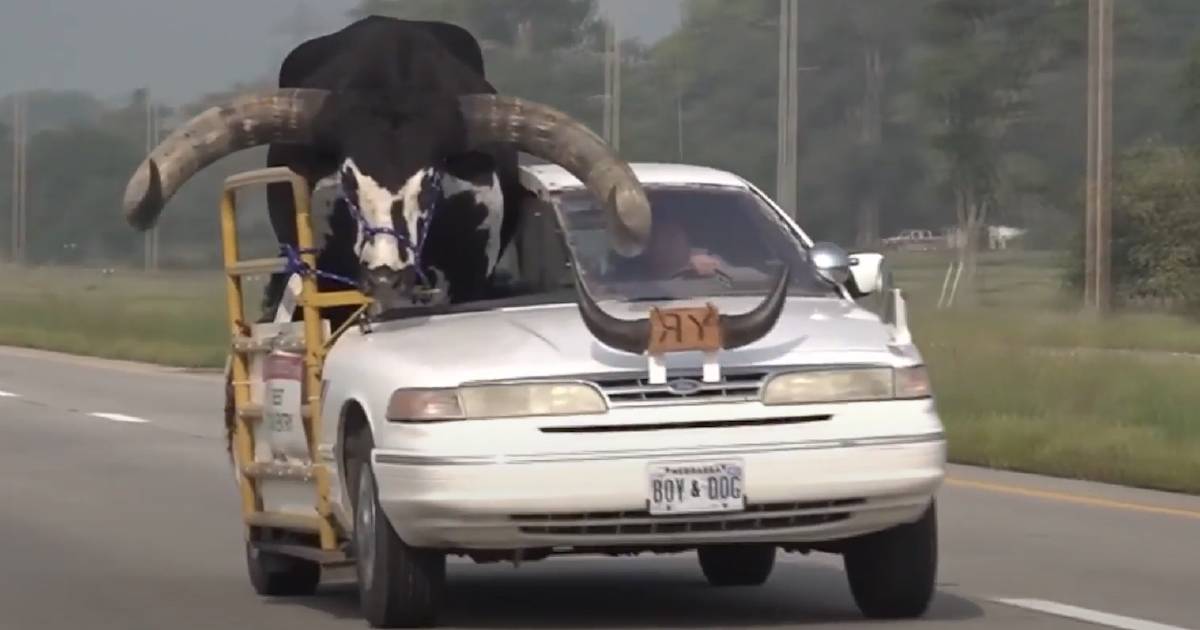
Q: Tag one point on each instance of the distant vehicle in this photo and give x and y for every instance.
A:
(914, 240)
(505, 430)
(999, 236)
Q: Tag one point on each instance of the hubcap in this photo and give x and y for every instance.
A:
(364, 531)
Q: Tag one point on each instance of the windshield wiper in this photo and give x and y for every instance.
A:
(654, 298)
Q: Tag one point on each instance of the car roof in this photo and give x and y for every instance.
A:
(556, 177)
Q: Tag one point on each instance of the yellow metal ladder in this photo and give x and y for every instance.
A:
(313, 347)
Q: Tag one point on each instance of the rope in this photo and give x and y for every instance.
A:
(427, 200)
(296, 265)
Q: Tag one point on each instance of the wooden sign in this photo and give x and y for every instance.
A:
(684, 330)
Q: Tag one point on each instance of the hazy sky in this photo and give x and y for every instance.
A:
(183, 48)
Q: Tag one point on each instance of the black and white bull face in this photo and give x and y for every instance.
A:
(405, 238)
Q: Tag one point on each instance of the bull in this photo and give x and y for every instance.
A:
(425, 151)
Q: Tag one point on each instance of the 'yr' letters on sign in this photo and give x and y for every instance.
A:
(683, 329)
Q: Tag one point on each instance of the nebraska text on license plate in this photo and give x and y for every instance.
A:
(685, 488)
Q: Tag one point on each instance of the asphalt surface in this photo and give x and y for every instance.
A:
(129, 519)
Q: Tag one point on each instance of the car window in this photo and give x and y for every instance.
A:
(697, 229)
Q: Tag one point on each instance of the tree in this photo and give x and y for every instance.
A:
(701, 73)
(1156, 223)
(860, 51)
(77, 177)
(973, 86)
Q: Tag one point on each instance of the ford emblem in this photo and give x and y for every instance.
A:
(683, 386)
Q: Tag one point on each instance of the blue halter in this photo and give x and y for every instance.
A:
(427, 199)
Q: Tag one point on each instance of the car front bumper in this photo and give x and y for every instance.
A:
(799, 489)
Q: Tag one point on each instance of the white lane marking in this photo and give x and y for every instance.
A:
(1085, 614)
(4, 394)
(119, 417)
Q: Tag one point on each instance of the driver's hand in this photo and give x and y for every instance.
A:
(705, 264)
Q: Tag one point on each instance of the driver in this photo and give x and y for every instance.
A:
(670, 255)
(670, 252)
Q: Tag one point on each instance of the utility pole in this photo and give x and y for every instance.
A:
(679, 117)
(616, 89)
(1097, 294)
(788, 125)
(19, 196)
(612, 86)
(151, 235)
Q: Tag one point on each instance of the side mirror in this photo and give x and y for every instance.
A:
(832, 262)
(866, 274)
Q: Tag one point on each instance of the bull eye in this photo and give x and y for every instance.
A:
(349, 186)
(427, 196)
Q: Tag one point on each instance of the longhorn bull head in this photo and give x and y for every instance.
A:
(288, 116)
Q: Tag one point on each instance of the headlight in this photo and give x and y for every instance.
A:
(913, 382)
(846, 385)
(424, 405)
(495, 401)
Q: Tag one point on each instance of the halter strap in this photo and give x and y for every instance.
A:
(434, 193)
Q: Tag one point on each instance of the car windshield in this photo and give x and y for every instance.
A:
(705, 241)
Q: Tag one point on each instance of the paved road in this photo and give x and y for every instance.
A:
(118, 510)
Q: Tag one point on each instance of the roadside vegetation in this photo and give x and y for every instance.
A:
(169, 318)
(1025, 381)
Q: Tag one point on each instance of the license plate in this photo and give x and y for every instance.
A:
(689, 488)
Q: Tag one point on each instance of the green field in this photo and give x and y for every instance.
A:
(1013, 387)
(170, 318)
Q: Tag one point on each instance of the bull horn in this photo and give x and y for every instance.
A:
(554, 136)
(746, 328)
(277, 115)
(633, 336)
(628, 335)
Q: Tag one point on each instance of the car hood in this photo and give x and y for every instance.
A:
(552, 340)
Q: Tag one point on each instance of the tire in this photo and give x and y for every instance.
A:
(277, 575)
(893, 573)
(398, 586)
(737, 565)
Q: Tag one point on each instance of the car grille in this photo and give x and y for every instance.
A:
(636, 390)
(761, 517)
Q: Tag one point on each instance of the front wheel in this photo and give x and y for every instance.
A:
(893, 573)
(737, 565)
(399, 586)
(275, 574)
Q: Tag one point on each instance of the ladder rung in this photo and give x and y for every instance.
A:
(256, 266)
(315, 554)
(272, 470)
(254, 413)
(311, 524)
(327, 299)
(268, 175)
(250, 345)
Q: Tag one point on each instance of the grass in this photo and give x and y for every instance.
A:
(170, 318)
(1010, 401)
(1099, 417)
(1019, 300)
(1006, 401)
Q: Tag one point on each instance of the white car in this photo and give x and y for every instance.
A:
(505, 430)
